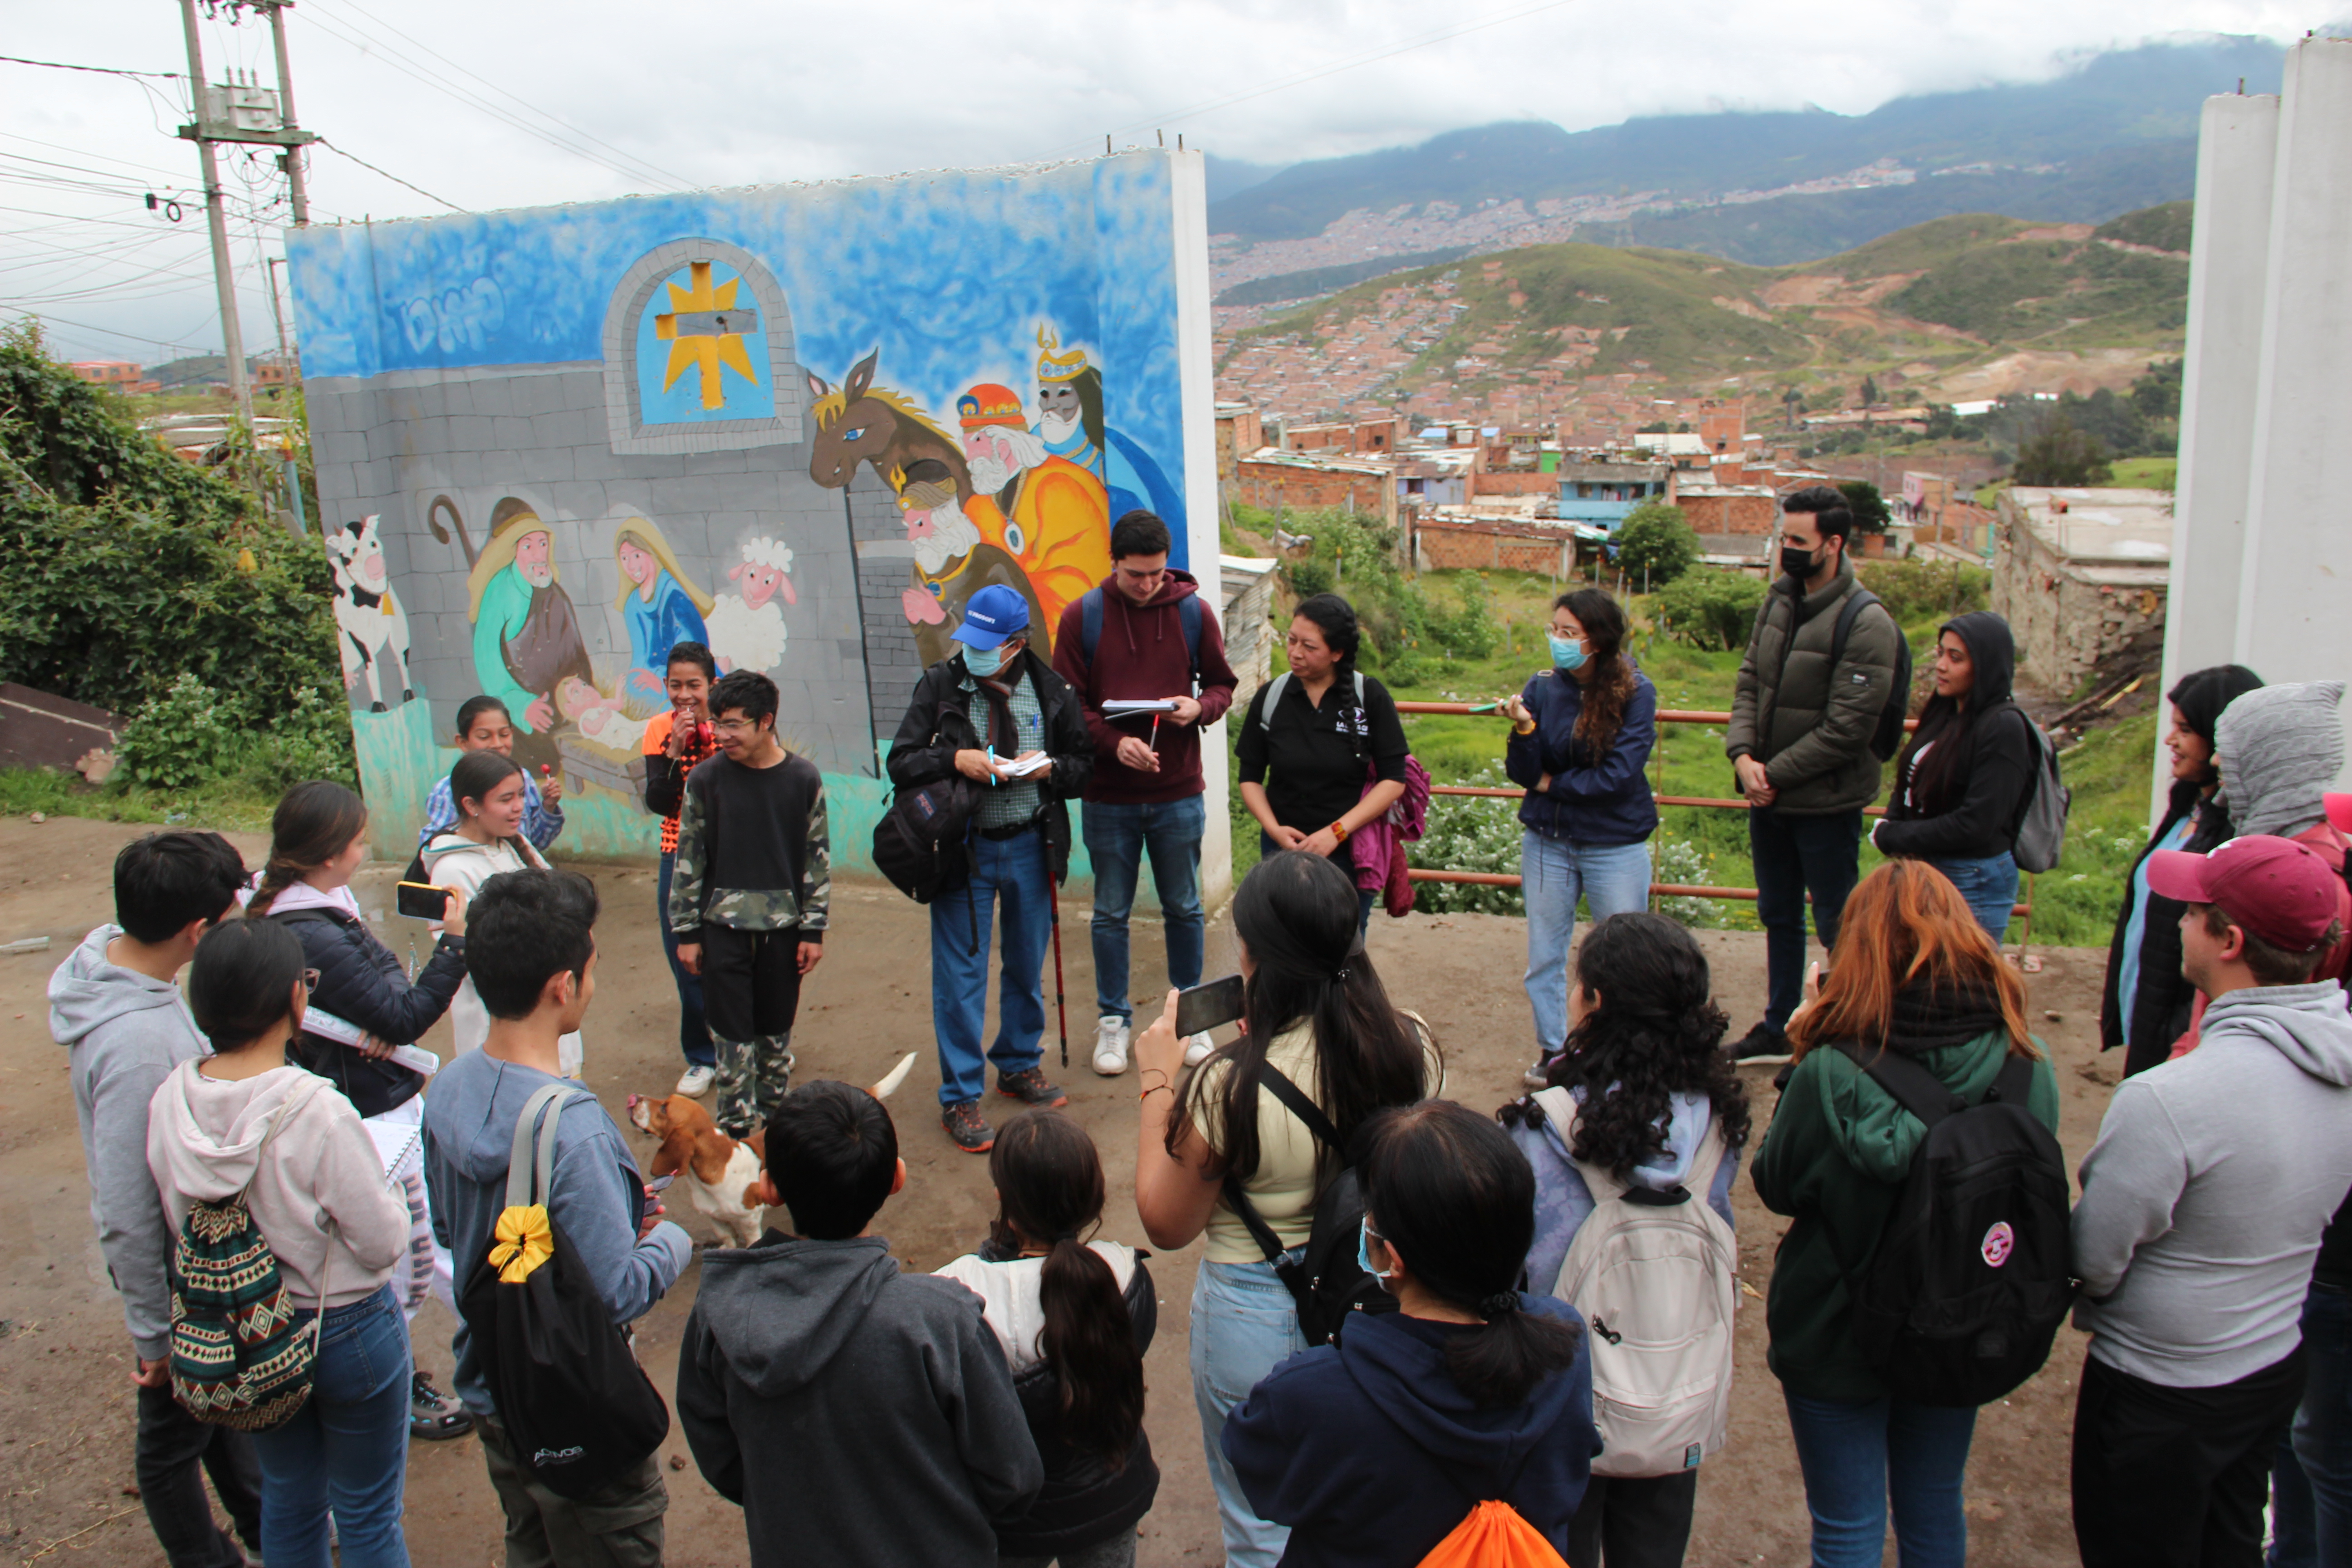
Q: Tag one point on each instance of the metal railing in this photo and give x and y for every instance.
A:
(2023, 911)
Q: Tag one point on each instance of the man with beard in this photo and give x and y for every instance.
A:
(953, 561)
(1047, 512)
(1070, 423)
(526, 633)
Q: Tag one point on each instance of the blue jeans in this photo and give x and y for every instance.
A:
(1365, 898)
(2311, 1483)
(1244, 1324)
(1794, 856)
(1856, 1455)
(1010, 871)
(1989, 887)
(1614, 878)
(693, 1034)
(1117, 836)
(346, 1449)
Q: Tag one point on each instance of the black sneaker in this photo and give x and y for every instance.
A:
(1762, 1043)
(433, 1415)
(1029, 1087)
(967, 1127)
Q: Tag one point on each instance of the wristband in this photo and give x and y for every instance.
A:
(1155, 1089)
(1338, 833)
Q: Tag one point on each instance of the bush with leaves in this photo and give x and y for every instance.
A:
(1469, 630)
(1710, 608)
(1655, 544)
(1921, 587)
(178, 739)
(1469, 832)
(1868, 504)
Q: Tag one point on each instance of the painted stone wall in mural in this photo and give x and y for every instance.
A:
(801, 425)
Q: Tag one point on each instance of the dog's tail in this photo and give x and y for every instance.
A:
(890, 1081)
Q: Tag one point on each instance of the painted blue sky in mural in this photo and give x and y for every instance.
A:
(702, 350)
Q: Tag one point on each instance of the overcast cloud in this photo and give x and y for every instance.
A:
(691, 94)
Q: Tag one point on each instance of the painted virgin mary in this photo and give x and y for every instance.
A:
(660, 604)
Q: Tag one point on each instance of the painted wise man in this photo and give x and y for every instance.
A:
(1070, 422)
(952, 561)
(1048, 513)
(526, 633)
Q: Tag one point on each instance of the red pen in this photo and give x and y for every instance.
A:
(1154, 741)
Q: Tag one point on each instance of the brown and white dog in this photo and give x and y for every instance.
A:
(721, 1174)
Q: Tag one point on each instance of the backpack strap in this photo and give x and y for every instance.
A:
(1855, 603)
(1273, 689)
(529, 1180)
(1189, 614)
(1295, 1100)
(1090, 607)
(2014, 1085)
(1915, 1089)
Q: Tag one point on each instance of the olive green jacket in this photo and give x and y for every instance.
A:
(1807, 724)
(1834, 1160)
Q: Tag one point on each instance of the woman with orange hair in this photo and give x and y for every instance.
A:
(1913, 973)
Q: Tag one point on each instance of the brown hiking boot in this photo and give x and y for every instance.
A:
(1029, 1087)
(967, 1127)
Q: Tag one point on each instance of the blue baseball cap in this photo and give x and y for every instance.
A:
(994, 614)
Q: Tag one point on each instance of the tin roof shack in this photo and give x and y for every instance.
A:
(2078, 574)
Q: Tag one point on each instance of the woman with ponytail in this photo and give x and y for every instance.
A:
(318, 841)
(1581, 735)
(1075, 1318)
(1643, 1092)
(1315, 1013)
(1372, 1451)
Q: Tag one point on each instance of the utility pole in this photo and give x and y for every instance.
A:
(297, 194)
(216, 219)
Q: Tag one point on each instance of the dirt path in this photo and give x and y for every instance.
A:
(65, 1415)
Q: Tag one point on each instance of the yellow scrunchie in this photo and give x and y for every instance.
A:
(524, 1242)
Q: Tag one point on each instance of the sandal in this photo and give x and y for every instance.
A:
(434, 1416)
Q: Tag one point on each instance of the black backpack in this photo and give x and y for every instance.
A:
(1327, 1283)
(1887, 738)
(919, 845)
(577, 1408)
(1973, 1273)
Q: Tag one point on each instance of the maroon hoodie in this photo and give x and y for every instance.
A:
(1141, 655)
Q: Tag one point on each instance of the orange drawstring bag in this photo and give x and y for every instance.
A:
(1493, 1535)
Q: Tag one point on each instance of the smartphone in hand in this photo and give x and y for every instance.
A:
(421, 900)
(1207, 1005)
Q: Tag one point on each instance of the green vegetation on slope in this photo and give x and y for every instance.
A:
(2021, 290)
(2165, 227)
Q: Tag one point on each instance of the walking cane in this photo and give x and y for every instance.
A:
(1061, 1006)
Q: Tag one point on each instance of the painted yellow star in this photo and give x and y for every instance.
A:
(706, 351)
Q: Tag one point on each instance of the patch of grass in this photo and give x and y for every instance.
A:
(2144, 473)
(237, 804)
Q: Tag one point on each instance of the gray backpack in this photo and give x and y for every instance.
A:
(2041, 825)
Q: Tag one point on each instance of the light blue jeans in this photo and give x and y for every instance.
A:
(1010, 874)
(1553, 874)
(1989, 887)
(346, 1450)
(1244, 1324)
(1117, 836)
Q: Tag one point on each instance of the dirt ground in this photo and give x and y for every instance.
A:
(65, 1411)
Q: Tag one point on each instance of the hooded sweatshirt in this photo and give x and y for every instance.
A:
(857, 1414)
(2277, 749)
(1141, 654)
(124, 1034)
(1372, 1454)
(2204, 1198)
(1563, 1202)
(452, 860)
(595, 1194)
(313, 1179)
(1835, 1158)
(1960, 784)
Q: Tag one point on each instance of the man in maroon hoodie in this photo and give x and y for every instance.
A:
(1144, 635)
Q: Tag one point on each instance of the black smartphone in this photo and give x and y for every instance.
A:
(421, 900)
(1207, 1005)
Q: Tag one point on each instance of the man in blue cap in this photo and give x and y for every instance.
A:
(995, 712)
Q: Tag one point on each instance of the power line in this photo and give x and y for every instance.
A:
(396, 179)
(96, 70)
(189, 344)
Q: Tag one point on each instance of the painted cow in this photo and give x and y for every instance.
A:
(366, 611)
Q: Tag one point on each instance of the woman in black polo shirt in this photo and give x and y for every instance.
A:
(1324, 731)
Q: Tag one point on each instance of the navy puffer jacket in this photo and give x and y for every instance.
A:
(1599, 798)
(361, 983)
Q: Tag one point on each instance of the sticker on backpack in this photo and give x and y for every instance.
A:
(1999, 1242)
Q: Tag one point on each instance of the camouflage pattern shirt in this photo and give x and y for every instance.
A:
(754, 851)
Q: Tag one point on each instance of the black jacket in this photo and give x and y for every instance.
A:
(2163, 999)
(361, 983)
(1084, 1500)
(939, 724)
(1963, 799)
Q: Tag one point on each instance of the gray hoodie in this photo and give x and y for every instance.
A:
(2204, 1198)
(859, 1415)
(2277, 748)
(124, 1034)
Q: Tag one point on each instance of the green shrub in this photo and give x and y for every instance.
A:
(1922, 589)
(1710, 608)
(1656, 545)
(175, 740)
(1470, 630)
(1469, 832)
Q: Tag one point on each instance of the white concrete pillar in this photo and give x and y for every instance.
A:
(2228, 262)
(2295, 582)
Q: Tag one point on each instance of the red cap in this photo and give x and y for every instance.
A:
(2339, 811)
(2279, 891)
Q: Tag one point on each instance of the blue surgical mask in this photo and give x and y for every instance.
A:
(1566, 653)
(984, 662)
(1364, 1250)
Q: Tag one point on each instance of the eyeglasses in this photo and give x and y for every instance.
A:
(310, 981)
(736, 726)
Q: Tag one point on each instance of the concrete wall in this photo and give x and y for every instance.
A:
(1492, 547)
(1300, 487)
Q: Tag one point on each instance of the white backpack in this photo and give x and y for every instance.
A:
(1656, 1279)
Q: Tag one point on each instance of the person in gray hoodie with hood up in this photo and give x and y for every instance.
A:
(115, 1005)
(858, 1414)
(2203, 1201)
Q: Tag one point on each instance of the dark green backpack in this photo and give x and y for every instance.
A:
(238, 1358)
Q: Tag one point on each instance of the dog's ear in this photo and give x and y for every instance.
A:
(711, 1151)
(757, 1142)
(671, 1157)
(754, 1200)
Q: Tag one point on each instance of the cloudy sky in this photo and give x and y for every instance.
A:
(494, 103)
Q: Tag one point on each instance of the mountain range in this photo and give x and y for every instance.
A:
(2115, 133)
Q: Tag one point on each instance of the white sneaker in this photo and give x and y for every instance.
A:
(1197, 1048)
(695, 1082)
(1110, 1045)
